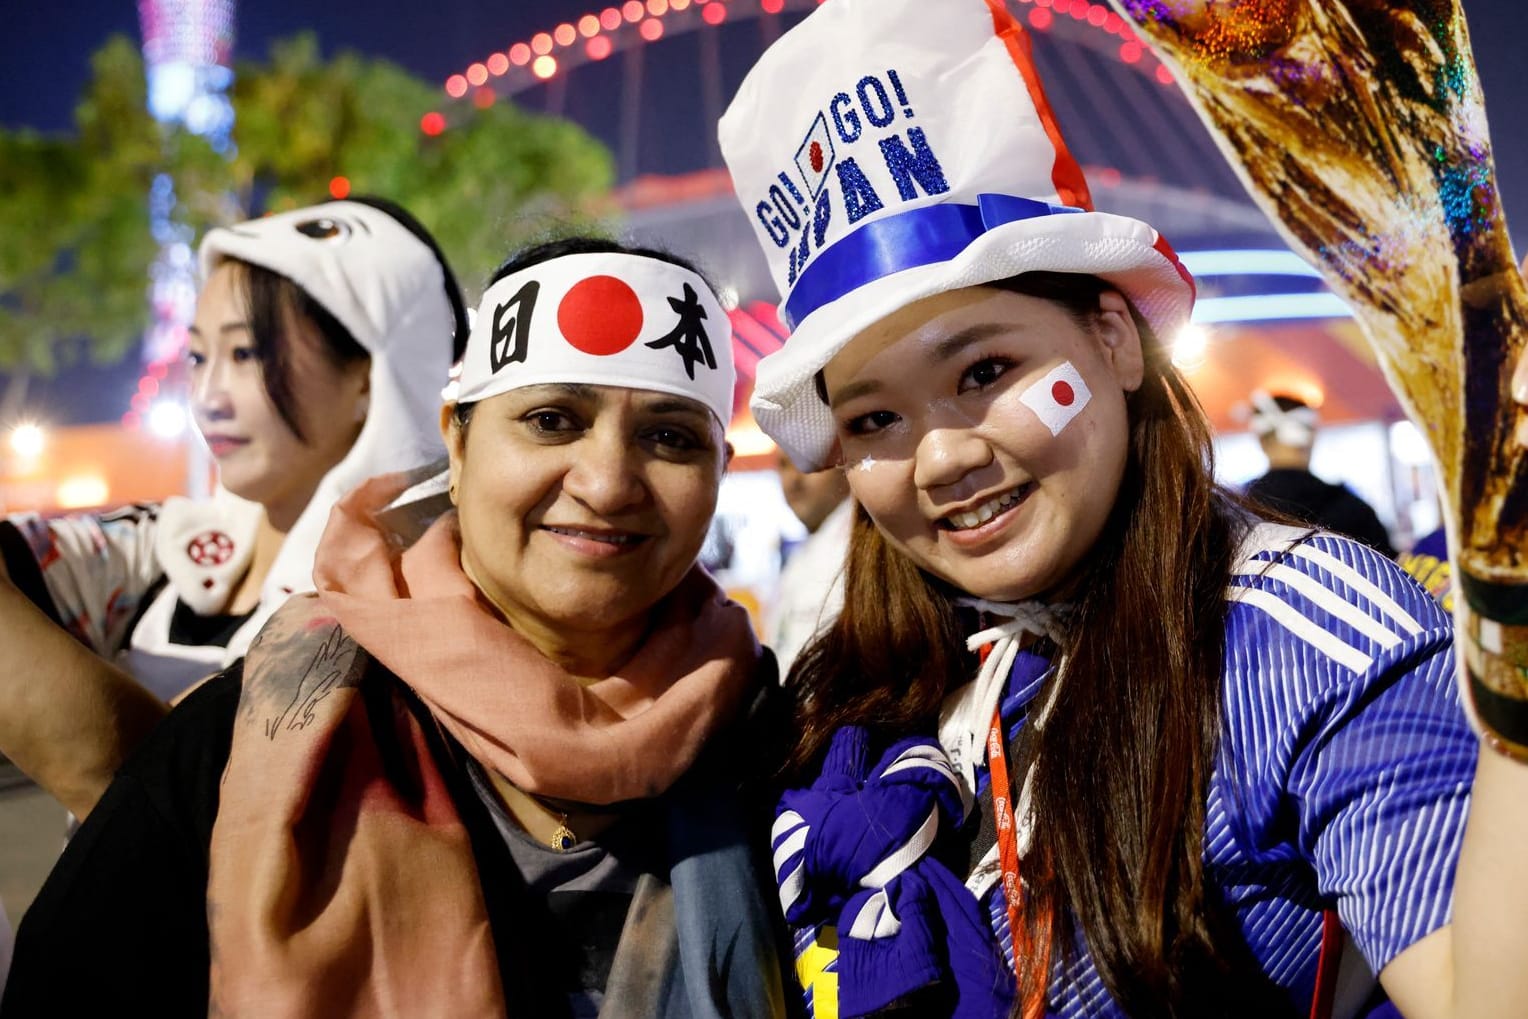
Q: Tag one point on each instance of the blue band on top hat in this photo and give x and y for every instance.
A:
(907, 240)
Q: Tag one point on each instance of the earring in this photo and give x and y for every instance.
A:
(451, 491)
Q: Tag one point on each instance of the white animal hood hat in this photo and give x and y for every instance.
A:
(377, 271)
(889, 150)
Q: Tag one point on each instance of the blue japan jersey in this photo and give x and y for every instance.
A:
(1342, 781)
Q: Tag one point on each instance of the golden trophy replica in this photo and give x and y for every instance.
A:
(1359, 127)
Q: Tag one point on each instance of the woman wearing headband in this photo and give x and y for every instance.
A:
(498, 770)
(1128, 749)
(319, 344)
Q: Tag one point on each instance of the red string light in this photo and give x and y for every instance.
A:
(339, 187)
(432, 124)
(645, 14)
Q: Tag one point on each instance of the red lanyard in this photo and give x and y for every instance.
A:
(1008, 854)
(1007, 837)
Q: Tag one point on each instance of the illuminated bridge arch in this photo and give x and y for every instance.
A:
(670, 65)
(651, 78)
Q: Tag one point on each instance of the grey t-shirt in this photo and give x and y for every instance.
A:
(587, 890)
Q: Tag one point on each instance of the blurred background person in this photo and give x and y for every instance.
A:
(1286, 428)
(810, 591)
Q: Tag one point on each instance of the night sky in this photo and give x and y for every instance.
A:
(44, 62)
(45, 49)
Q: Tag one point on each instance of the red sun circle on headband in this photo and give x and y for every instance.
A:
(815, 154)
(1061, 392)
(600, 315)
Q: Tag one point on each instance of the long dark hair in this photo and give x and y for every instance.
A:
(1123, 762)
(273, 301)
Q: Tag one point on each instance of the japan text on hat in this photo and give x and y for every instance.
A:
(888, 150)
(609, 319)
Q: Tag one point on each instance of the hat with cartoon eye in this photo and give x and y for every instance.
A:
(367, 262)
(889, 150)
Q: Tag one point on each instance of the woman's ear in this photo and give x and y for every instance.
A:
(361, 382)
(1121, 340)
(451, 435)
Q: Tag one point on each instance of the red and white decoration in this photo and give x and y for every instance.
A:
(594, 319)
(1058, 397)
(205, 546)
(210, 548)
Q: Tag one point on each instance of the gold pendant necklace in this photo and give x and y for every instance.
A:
(563, 838)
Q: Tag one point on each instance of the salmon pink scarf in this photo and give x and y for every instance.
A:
(340, 887)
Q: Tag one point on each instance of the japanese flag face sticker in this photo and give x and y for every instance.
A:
(1057, 397)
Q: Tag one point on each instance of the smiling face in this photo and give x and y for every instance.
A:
(985, 432)
(259, 457)
(582, 506)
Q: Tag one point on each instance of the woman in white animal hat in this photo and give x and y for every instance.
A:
(320, 342)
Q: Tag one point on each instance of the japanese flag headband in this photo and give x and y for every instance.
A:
(607, 319)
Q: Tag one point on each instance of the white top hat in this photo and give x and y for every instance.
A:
(888, 150)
